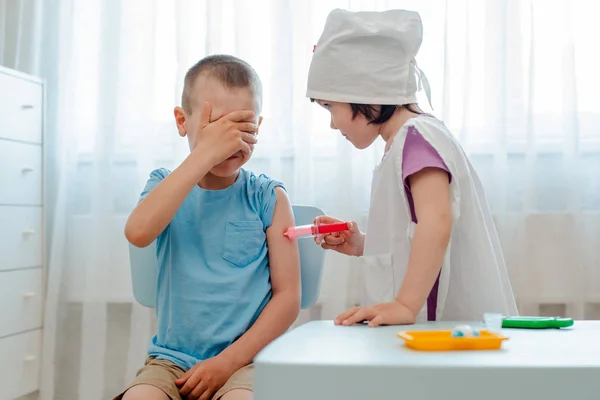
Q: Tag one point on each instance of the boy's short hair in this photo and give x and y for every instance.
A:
(230, 71)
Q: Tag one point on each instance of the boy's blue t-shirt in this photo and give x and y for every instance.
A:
(213, 277)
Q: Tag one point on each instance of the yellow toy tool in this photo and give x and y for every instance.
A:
(457, 339)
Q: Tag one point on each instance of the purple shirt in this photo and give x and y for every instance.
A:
(417, 155)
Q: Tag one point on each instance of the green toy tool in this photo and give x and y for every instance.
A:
(536, 322)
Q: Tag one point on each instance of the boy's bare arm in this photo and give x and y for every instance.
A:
(282, 310)
(213, 144)
(152, 215)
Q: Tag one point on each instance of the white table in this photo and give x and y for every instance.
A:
(321, 361)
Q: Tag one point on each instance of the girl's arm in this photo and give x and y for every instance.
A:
(431, 195)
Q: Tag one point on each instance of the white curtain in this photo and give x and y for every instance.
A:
(516, 81)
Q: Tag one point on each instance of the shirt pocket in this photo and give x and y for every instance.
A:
(244, 241)
(378, 279)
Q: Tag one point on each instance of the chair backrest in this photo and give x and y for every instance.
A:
(144, 264)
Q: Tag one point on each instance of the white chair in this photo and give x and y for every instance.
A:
(144, 265)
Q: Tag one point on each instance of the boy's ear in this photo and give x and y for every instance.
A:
(180, 121)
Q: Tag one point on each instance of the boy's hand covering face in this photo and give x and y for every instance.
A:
(227, 135)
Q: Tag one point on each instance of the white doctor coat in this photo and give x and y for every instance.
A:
(473, 279)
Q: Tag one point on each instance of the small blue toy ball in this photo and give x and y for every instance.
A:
(464, 331)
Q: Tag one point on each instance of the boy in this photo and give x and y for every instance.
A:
(222, 297)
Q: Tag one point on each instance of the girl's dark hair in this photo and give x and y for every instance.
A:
(386, 112)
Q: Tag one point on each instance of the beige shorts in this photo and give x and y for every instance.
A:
(162, 374)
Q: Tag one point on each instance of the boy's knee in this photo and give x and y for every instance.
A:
(238, 394)
(145, 392)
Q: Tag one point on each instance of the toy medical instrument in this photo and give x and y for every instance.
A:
(462, 337)
(465, 331)
(536, 322)
(296, 232)
(446, 340)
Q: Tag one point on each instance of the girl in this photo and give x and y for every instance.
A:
(432, 251)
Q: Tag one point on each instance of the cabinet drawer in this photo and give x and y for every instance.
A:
(20, 367)
(20, 173)
(20, 109)
(21, 300)
(20, 237)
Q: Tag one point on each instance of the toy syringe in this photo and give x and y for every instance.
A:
(302, 231)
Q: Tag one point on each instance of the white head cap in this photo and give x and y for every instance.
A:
(368, 58)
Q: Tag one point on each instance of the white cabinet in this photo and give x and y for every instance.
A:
(21, 110)
(20, 237)
(22, 267)
(20, 355)
(21, 299)
(21, 173)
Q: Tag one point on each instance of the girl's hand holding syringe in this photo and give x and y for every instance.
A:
(332, 234)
